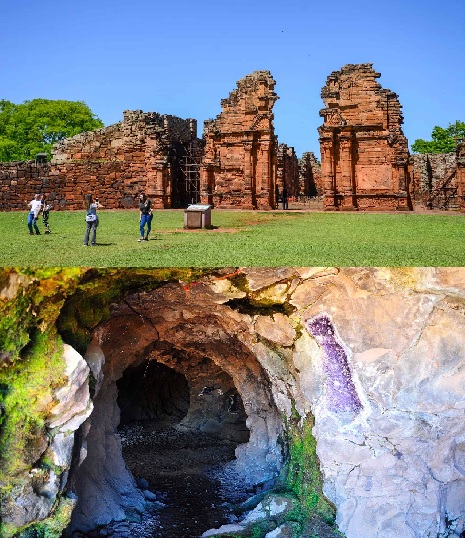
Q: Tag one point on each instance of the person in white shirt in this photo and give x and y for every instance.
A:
(91, 219)
(35, 206)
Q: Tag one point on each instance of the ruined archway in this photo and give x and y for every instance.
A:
(218, 388)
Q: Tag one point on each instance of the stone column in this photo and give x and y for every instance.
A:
(399, 171)
(263, 191)
(274, 179)
(204, 184)
(207, 187)
(327, 172)
(250, 185)
(158, 193)
(248, 172)
(347, 176)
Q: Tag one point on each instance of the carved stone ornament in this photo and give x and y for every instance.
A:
(334, 119)
(393, 137)
(258, 122)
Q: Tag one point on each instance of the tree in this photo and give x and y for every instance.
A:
(34, 126)
(443, 140)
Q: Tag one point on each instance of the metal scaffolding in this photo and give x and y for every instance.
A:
(190, 164)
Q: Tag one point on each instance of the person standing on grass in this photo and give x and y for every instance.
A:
(91, 219)
(35, 205)
(145, 217)
(45, 213)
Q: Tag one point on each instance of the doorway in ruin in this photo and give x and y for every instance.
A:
(185, 189)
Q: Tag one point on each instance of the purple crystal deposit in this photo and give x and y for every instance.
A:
(340, 389)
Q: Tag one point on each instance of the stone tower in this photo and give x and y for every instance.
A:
(364, 153)
(240, 155)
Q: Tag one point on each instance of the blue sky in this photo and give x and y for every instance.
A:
(183, 57)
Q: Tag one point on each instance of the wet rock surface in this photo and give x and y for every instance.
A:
(182, 474)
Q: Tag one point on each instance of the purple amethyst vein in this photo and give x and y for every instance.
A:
(340, 389)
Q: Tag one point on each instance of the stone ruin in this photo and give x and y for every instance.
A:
(240, 164)
(364, 151)
(433, 177)
(240, 157)
(460, 154)
(145, 152)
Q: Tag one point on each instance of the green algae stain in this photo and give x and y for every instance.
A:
(26, 397)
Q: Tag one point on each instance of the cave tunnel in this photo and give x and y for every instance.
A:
(152, 392)
(184, 416)
(178, 428)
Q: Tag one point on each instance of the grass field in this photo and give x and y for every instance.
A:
(240, 238)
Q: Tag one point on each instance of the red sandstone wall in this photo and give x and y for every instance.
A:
(460, 157)
(429, 172)
(141, 153)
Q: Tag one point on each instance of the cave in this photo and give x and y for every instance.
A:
(184, 424)
(178, 430)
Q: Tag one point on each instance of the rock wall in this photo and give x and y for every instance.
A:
(364, 152)
(375, 355)
(39, 483)
(390, 456)
(239, 162)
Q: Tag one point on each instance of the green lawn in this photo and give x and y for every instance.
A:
(240, 238)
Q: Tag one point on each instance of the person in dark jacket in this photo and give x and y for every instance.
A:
(145, 217)
(46, 207)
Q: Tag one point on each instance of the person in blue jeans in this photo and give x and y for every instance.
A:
(35, 206)
(91, 219)
(145, 217)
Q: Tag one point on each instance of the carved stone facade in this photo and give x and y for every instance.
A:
(240, 156)
(364, 153)
(311, 183)
(144, 152)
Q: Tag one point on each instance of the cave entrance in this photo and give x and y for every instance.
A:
(179, 374)
(178, 432)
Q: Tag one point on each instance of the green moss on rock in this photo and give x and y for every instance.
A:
(51, 527)
(26, 397)
(302, 478)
